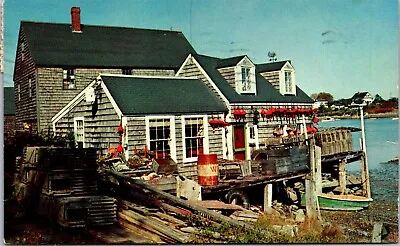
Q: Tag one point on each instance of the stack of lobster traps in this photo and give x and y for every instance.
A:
(61, 184)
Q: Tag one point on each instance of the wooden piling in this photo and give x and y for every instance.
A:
(365, 162)
(342, 177)
(311, 199)
(267, 197)
(318, 174)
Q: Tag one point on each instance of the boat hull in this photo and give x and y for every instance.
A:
(340, 202)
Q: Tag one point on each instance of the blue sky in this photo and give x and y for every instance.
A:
(340, 46)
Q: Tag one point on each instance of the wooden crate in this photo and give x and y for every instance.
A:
(334, 141)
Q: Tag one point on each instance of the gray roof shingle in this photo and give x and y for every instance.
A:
(272, 66)
(146, 95)
(55, 44)
(265, 91)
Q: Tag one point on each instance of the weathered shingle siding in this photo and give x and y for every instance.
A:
(25, 108)
(100, 130)
(153, 72)
(266, 126)
(137, 137)
(273, 78)
(51, 95)
(192, 71)
(229, 75)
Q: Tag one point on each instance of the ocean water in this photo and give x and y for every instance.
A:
(382, 143)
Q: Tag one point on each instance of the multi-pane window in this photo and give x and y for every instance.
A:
(19, 92)
(194, 137)
(160, 134)
(127, 71)
(79, 132)
(246, 86)
(69, 79)
(22, 51)
(288, 81)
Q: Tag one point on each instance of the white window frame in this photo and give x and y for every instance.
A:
(283, 89)
(206, 146)
(76, 119)
(69, 78)
(19, 92)
(172, 139)
(22, 51)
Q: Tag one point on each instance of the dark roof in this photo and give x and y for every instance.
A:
(359, 95)
(272, 66)
(9, 101)
(265, 91)
(55, 44)
(229, 62)
(143, 96)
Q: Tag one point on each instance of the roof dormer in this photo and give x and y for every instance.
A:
(281, 75)
(287, 80)
(245, 77)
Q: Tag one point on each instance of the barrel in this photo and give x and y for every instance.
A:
(207, 170)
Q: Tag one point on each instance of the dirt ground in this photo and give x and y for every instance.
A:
(358, 226)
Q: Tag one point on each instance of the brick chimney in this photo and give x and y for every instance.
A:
(76, 19)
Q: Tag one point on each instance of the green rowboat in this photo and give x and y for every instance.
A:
(340, 202)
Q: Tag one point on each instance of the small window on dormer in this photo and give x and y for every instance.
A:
(127, 71)
(288, 81)
(69, 79)
(246, 83)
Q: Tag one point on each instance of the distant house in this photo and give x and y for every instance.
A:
(318, 103)
(9, 111)
(247, 90)
(361, 98)
(337, 106)
(168, 114)
(54, 62)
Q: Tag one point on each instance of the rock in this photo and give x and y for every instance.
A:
(286, 229)
(300, 215)
(291, 194)
(299, 186)
(293, 208)
(216, 235)
(271, 211)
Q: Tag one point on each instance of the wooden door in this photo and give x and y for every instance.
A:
(239, 142)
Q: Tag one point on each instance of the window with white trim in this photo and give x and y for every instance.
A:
(22, 51)
(193, 138)
(127, 71)
(79, 130)
(19, 92)
(69, 79)
(288, 81)
(160, 137)
(246, 83)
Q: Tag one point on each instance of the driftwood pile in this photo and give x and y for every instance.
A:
(153, 216)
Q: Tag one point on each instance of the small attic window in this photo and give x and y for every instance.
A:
(288, 81)
(69, 79)
(22, 51)
(127, 71)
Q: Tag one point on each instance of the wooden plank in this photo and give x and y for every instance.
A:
(169, 218)
(202, 211)
(154, 225)
(377, 232)
(141, 231)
